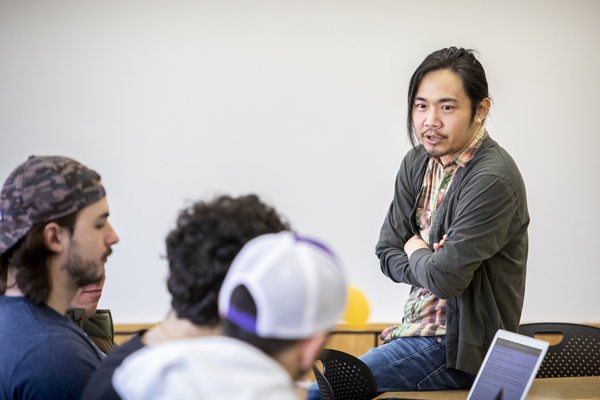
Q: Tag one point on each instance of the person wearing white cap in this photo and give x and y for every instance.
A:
(200, 249)
(280, 298)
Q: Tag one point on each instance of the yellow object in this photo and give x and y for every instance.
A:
(357, 307)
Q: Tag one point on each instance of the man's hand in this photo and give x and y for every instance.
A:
(416, 242)
(437, 246)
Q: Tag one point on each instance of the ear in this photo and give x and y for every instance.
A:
(483, 108)
(310, 349)
(54, 237)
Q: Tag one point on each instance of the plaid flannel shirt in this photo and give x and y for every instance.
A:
(425, 314)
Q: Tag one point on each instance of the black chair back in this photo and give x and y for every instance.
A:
(577, 354)
(344, 377)
(324, 386)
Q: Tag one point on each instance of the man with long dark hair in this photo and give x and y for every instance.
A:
(456, 231)
(54, 239)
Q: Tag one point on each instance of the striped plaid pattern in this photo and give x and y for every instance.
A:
(425, 314)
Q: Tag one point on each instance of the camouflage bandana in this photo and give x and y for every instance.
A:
(44, 189)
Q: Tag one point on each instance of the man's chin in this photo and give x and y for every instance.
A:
(86, 280)
(434, 153)
(84, 272)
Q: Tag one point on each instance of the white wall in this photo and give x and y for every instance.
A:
(302, 102)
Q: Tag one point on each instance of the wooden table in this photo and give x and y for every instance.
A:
(547, 388)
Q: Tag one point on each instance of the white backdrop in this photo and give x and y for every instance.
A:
(302, 102)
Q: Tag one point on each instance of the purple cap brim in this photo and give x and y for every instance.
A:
(245, 321)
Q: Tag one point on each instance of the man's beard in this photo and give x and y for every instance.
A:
(83, 272)
(435, 153)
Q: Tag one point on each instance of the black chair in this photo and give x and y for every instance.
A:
(577, 354)
(324, 386)
(344, 377)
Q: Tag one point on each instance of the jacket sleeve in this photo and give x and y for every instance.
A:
(396, 229)
(484, 219)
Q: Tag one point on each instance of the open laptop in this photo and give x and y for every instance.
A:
(509, 367)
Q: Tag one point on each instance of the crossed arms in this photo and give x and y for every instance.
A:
(478, 219)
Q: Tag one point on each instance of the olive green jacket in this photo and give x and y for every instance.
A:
(98, 328)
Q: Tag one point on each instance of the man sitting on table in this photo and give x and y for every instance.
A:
(280, 298)
(456, 231)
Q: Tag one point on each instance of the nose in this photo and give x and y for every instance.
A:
(431, 118)
(111, 237)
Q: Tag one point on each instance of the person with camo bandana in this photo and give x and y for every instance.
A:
(54, 239)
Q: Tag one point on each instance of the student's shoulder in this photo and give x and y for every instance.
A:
(117, 356)
(62, 345)
(100, 384)
(57, 367)
(31, 326)
(492, 160)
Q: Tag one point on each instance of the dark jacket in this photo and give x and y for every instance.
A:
(98, 328)
(481, 268)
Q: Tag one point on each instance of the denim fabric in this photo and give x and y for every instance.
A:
(411, 364)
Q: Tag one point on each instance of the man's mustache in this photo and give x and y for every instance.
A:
(433, 132)
(107, 253)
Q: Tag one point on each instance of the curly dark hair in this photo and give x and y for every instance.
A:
(202, 246)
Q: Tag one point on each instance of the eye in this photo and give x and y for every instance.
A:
(447, 108)
(420, 106)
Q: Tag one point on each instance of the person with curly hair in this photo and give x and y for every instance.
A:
(280, 299)
(200, 249)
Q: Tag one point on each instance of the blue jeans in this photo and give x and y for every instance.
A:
(410, 364)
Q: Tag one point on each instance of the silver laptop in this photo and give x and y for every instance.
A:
(509, 367)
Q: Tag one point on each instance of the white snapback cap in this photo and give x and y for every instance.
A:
(298, 286)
